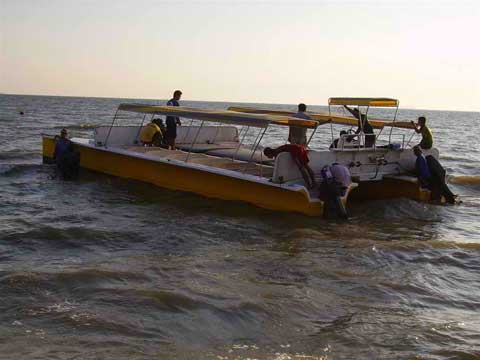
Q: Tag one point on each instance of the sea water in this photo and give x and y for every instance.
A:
(107, 268)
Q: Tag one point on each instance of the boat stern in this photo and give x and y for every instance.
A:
(48, 148)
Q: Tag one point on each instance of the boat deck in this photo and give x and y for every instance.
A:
(226, 163)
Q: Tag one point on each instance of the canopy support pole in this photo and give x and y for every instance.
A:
(240, 143)
(188, 130)
(330, 118)
(361, 122)
(194, 140)
(110, 130)
(411, 137)
(391, 129)
(216, 133)
(313, 133)
(256, 143)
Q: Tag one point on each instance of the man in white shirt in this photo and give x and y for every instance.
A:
(341, 175)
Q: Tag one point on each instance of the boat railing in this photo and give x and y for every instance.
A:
(356, 142)
(249, 161)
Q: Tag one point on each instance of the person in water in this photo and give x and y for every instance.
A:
(173, 121)
(335, 180)
(421, 168)
(431, 175)
(296, 134)
(427, 137)
(67, 160)
(363, 125)
(299, 154)
(62, 145)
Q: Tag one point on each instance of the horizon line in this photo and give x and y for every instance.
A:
(218, 101)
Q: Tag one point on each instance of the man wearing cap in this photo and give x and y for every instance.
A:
(173, 121)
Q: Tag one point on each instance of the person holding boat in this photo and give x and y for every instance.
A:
(67, 160)
(62, 145)
(431, 175)
(298, 135)
(363, 126)
(421, 128)
(335, 180)
(173, 121)
(299, 154)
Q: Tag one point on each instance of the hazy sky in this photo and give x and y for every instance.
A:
(427, 54)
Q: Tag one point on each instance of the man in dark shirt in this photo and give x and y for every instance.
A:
(421, 168)
(173, 121)
(431, 175)
(67, 160)
(363, 125)
(62, 145)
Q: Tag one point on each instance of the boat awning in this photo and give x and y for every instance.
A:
(325, 116)
(377, 102)
(220, 116)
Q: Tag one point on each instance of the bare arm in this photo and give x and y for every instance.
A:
(417, 129)
(350, 110)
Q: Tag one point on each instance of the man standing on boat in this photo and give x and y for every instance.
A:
(173, 121)
(363, 126)
(298, 135)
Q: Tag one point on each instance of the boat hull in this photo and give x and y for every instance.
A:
(389, 188)
(172, 175)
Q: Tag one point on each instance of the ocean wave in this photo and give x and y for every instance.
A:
(454, 158)
(18, 154)
(67, 279)
(16, 169)
(77, 127)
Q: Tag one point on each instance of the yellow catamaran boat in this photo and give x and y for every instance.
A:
(213, 160)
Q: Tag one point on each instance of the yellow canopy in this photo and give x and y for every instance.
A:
(324, 117)
(220, 116)
(378, 102)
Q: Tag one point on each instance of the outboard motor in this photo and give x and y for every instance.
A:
(331, 192)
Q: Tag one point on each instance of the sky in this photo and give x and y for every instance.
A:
(424, 53)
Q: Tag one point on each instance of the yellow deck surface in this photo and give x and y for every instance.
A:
(200, 158)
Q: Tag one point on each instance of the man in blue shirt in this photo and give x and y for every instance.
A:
(172, 121)
(62, 145)
(421, 168)
(67, 160)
